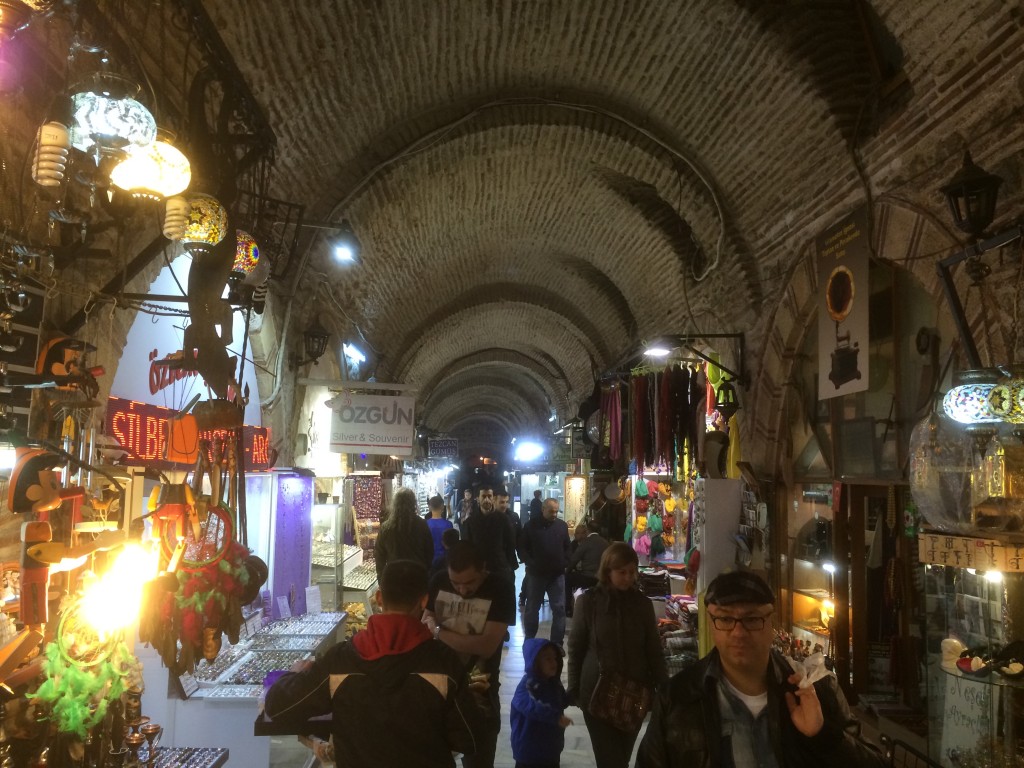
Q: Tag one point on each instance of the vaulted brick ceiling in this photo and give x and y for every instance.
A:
(537, 186)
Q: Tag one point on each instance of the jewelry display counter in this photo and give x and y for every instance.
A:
(223, 698)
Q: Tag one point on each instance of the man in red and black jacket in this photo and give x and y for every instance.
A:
(397, 695)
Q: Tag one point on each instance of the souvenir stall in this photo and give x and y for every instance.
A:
(967, 481)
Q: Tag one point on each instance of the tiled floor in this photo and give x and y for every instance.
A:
(578, 752)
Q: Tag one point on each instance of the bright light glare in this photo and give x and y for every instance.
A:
(7, 457)
(112, 601)
(829, 567)
(344, 253)
(657, 350)
(353, 353)
(527, 451)
(995, 577)
(829, 606)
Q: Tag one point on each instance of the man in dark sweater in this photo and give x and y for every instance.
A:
(392, 672)
(490, 531)
(545, 550)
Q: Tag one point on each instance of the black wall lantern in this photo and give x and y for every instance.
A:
(971, 196)
(314, 343)
(726, 400)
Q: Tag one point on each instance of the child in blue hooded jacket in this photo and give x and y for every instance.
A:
(538, 706)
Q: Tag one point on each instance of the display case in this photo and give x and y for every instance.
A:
(367, 494)
(334, 554)
(975, 718)
(224, 697)
(812, 573)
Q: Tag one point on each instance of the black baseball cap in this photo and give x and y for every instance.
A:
(739, 587)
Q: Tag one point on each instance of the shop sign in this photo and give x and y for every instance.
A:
(843, 262)
(967, 552)
(442, 448)
(378, 424)
(142, 429)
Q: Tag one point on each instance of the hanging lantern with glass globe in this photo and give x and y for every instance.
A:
(156, 171)
(206, 224)
(108, 118)
(247, 256)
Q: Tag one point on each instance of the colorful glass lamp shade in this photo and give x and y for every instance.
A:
(205, 225)
(247, 254)
(156, 171)
(105, 116)
(247, 257)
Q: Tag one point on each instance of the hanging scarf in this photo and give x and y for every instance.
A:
(611, 408)
(638, 389)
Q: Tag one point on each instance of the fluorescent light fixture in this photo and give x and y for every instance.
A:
(344, 253)
(353, 353)
(528, 451)
(658, 349)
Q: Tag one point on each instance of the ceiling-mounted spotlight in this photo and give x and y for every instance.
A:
(346, 244)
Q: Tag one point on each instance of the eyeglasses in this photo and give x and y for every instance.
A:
(728, 623)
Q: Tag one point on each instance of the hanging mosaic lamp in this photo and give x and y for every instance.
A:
(968, 401)
(247, 254)
(107, 117)
(1006, 400)
(155, 171)
(205, 225)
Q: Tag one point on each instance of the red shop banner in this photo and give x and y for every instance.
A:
(142, 430)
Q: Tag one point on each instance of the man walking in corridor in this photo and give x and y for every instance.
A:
(545, 550)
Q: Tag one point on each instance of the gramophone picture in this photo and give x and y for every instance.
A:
(839, 295)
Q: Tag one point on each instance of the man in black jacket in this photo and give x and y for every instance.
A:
(489, 529)
(545, 550)
(393, 674)
(742, 705)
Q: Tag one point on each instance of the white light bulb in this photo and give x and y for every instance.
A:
(51, 158)
(175, 217)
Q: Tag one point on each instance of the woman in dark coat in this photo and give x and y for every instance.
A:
(404, 535)
(613, 622)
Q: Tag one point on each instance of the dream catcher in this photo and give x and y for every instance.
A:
(86, 669)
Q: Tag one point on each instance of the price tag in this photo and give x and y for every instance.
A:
(188, 684)
(313, 604)
(283, 607)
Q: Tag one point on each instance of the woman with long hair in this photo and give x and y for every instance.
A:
(404, 535)
(613, 629)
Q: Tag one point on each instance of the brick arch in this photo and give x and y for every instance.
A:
(905, 235)
(537, 332)
(509, 359)
(488, 295)
(519, 384)
(483, 399)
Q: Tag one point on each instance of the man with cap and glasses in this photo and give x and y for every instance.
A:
(741, 705)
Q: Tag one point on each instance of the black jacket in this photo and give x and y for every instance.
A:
(492, 534)
(588, 555)
(544, 547)
(407, 704)
(415, 543)
(614, 630)
(685, 727)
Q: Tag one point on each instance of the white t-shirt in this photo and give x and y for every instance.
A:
(755, 704)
